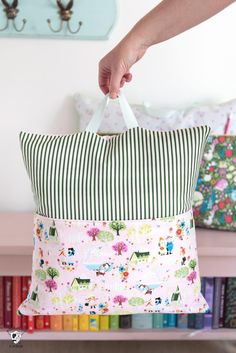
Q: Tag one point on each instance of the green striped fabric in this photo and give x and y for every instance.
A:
(138, 174)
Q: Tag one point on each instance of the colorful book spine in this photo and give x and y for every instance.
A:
(230, 303)
(83, 322)
(114, 322)
(39, 322)
(209, 293)
(31, 319)
(157, 321)
(46, 320)
(24, 292)
(216, 302)
(56, 322)
(94, 322)
(8, 302)
(142, 321)
(104, 323)
(75, 322)
(16, 301)
(172, 320)
(222, 302)
(165, 320)
(191, 321)
(1, 303)
(182, 321)
(67, 322)
(125, 321)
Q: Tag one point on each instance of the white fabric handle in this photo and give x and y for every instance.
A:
(127, 113)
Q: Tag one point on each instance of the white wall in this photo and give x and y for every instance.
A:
(39, 77)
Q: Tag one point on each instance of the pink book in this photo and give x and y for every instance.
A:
(1, 303)
(8, 301)
(24, 292)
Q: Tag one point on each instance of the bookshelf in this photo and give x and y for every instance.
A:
(217, 257)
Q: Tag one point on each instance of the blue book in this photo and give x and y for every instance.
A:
(209, 293)
(157, 321)
(182, 321)
(142, 321)
(172, 320)
(165, 320)
(191, 320)
(217, 302)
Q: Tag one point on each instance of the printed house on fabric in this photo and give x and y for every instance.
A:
(113, 226)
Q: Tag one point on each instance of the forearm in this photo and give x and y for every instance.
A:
(170, 18)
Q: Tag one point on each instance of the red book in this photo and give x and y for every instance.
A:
(8, 301)
(1, 303)
(16, 301)
(31, 321)
(39, 322)
(24, 292)
(46, 322)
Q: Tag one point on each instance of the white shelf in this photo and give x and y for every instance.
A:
(216, 249)
(127, 335)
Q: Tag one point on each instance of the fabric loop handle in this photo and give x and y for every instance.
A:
(128, 115)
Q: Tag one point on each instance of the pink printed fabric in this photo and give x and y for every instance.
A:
(114, 267)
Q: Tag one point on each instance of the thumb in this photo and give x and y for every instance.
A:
(115, 81)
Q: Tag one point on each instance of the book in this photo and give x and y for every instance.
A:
(104, 322)
(199, 318)
(172, 320)
(24, 293)
(83, 322)
(191, 321)
(157, 321)
(75, 322)
(230, 303)
(46, 320)
(165, 320)
(114, 322)
(209, 292)
(216, 302)
(142, 321)
(7, 284)
(67, 322)
(125, 321)
(31, 319)
(39, 322)
(94, 322)
(1, 303)
(16, 301)
(182, 321)
(56, 322)
(222, 302)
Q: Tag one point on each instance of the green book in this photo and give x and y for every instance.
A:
(157, 321)
(114, 322)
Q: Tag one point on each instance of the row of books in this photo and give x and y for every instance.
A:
(220, 293)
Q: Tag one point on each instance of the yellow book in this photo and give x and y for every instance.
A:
(83, 322)
(75, 322)
(56, 322)
(94, 322)
(104, 322)
(67, 322)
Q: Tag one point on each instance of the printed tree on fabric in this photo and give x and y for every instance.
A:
(120, 247)
(117, 226)
(93, 233)
(193, 275)
(51, 283)
(119, 299)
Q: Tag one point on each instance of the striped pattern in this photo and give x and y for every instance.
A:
(138, 174)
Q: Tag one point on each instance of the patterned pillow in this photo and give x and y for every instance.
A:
(113, 225)
(150, 117)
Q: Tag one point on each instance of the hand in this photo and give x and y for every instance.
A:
(114, 68)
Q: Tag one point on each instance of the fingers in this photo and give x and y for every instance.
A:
(117, 81)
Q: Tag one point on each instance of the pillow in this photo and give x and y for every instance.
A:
(113, 224)
(149, 117)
